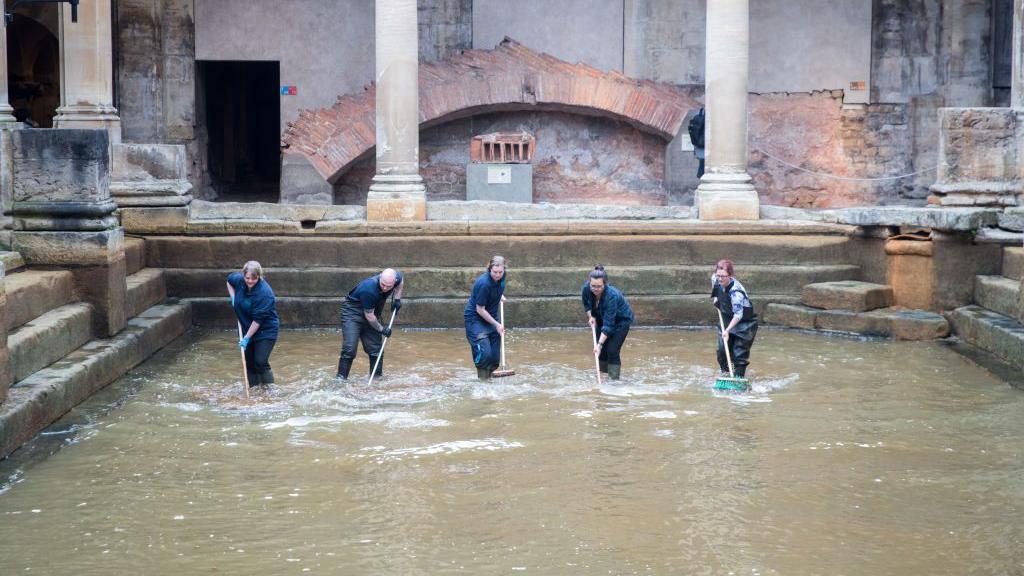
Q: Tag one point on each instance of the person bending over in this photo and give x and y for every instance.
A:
(610, 314)
(255, 307)
(361, 319)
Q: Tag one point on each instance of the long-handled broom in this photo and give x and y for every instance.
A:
(504, 367)
(597, 359)
(730, 382)
(245, 369)
(373, 370)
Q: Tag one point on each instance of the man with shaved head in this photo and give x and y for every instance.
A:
(361, 318)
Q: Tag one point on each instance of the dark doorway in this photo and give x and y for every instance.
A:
(33, 65)
(243, 121)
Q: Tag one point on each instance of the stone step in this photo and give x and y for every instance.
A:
(134, 254)
(456, 282)
(12, 261)
(39, 400)
(146, 288)
(898, 323)
(849, 295)
(996, 333)
(31, 293)
(48, 338)
(1013, 263)
(230, 252)
(672, 310)
(998, 294)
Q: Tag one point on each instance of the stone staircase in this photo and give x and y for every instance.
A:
(859, 308)
(666, 277)
(55, 357)
(993, 322)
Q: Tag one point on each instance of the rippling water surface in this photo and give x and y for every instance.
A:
(848, 457)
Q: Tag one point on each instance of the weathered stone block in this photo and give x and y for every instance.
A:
(864, 323)
(847, 295)
(154, 220)
(1012, 219)
(104, 287)
(715, 204)
(69, 248)
(34, 292)
(791, 315)
(998, 294)
(910, 272)
(957, 219)
(990, 331)
(914, 324)
(302, 184)
(396, 207)
(1013, 263)
(145, 288)
(6, 373)
(134, 254)
(150, 175)
(956, 261)
(61, 180)
(979, 157)
(48, 338)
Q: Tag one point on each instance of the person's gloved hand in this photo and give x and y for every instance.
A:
(243, 343)
(396, 305)
(385, 331)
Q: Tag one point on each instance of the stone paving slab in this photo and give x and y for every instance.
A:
(847, 295)
(990, 331)
(145, 288)
(1013, 263)
(898, 323)
(997, 293)
(31, 293)
(48, 338)
(42, 398)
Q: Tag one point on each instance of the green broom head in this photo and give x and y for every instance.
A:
(732, 384)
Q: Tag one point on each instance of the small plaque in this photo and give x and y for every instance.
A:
(499, 175)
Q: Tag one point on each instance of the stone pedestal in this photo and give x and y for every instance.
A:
(397, 192)
(149, 175)
(64, 216)
(981, 161)
(909, 271)
(87, 70)
(6, 374)
(726, 191)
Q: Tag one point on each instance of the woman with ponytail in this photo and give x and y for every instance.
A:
(483, 328)
(610, 314)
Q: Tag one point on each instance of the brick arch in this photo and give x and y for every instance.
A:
(510, 77)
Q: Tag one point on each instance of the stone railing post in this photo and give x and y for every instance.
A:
(64, 216)
(397, 192)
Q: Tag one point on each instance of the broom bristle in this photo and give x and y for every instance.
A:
(502, 373)
(730, 383)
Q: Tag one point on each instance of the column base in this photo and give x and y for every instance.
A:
(93, 117)
(400, 198)
(725, 196)
(7, 120)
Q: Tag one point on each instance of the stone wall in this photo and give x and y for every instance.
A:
(445, 27)
(578, 159)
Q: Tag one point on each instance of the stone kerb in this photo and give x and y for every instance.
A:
(150, 175)
(980, 160)
(6, 373)
(64, 216)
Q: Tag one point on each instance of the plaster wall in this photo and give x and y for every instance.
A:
(325, 47)
(588, 31)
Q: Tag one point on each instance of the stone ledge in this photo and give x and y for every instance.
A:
(1001, 335)
(898, 323)
(997, 293)
(952, 219)
(494, 211)
(48, 338)
(43, 397)
(1012, 219)
(1013, 263)
(256, 211)
(847, 295)
(11, 261)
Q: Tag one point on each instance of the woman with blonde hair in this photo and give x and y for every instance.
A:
(483, 327)
(255, 307)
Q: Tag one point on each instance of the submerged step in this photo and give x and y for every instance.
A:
(222, 252)
(48, 338)
(145, 288)
(455, 282)
(847, 295)
(46, 395)
(990, 331)
(998, 294)
(1013, 263)
(31, 293)
(898, 323)
(669, 310)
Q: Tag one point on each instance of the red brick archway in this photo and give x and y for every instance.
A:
(510, 77)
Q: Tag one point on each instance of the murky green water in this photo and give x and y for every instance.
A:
(850, 457)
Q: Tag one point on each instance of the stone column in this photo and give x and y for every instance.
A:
(64, 216)
(397, 192)
(1017, 74)
(6, 118)
(87, 70)
(726, 191)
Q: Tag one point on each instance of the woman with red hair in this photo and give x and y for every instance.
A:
(730, 297)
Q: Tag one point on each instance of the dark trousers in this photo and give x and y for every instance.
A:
(612, 346)
(354, 328)
(484, 344)
(740, 342)
(257, 361)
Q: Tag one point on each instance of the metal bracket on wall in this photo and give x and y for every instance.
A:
(10, 12)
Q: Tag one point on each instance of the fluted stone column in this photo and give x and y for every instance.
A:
(397, 192)
(6, 118)
(726, 191)
(1017, 82)
(87, 70)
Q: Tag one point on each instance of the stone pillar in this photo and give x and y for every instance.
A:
(726, 191)
(64, 216)
(397, 192)
(87, 70)
(6, 118)
(1017, 74)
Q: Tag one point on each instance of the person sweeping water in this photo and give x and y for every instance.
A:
(484, 329)
(737, 327)
(256, 310)
(610, 315)
(360, 320)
